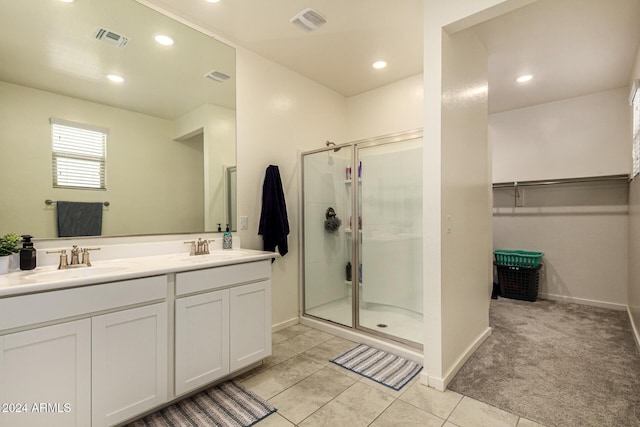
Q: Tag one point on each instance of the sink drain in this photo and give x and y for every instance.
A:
(381, 325)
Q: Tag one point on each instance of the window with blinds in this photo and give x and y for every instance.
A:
(635, 104)
(79, 155)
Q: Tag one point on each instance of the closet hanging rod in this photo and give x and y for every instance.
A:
(50, 202)
(603, 178)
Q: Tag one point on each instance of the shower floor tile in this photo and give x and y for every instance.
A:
(399, 323)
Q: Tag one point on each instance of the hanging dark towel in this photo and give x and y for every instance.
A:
(79, 219)
(274, 224)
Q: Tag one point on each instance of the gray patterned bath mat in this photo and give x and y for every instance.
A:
(380, 366)
(227, 404)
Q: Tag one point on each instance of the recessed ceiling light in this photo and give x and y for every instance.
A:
(379, 65)
(163, 40)
(212, 1)
(524, 78)
(67, 1)
(115, 78)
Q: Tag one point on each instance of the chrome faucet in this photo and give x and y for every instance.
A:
(200, 247)
(76, 261)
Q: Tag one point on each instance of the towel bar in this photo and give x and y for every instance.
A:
(50, 202)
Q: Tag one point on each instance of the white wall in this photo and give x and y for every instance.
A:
(582, 229)
(466, 198)
(279, 113)
(585, 249)
(390, 109)
(633, 293)
(575, 137)
(444, 319)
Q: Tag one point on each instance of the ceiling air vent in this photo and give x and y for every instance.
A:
(216, 75)
(111, 37)
(308, 20)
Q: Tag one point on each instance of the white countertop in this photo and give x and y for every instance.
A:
(49, 278)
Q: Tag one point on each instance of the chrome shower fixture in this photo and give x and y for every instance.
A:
(330, 143)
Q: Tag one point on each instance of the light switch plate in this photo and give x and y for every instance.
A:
(244, 223)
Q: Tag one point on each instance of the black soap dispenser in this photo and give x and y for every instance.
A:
(27, 254)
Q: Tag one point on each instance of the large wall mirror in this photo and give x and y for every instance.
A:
(170, 124)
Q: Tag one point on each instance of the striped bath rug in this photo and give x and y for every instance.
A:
(380, 366)
(227, 404)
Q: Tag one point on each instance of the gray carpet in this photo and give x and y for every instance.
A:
(557, 364)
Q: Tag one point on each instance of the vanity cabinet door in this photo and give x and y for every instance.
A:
(45, 376)
(129, 350)
(202, 339)
(250, 311)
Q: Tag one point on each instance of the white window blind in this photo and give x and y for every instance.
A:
(635, 104)
(79, 155)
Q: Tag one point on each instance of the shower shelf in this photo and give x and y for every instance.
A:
(348, 230)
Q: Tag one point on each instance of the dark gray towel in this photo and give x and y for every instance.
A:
(79, 219)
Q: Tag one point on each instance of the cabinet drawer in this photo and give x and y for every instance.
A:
(16, 312)
(219, 277)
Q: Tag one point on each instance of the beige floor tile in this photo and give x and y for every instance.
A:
(324, 352)
(389, 390)
(431, 400)
(289, 332)
(473, 413)
(319, 336)
(523, 422)
(299, 343)
(357, 406)
(274, 420)
(278, 355)
(403, 414)
(301, 400)
(274, 380)
(449, 424)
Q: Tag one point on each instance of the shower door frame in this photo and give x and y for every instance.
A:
(355, 232)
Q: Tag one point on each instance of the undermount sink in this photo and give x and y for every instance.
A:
(221, 255)
(74, 273)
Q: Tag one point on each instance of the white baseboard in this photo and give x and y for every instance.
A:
(636, 333)
(441, 384)
(283, 325)
(583, 301)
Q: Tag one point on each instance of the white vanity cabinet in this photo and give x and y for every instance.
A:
(202, 339)
(129, 363)
(250, 323)
(223, 322)
(97, 353)
(107, 365)
(45, 376)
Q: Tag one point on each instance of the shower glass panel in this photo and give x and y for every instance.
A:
(327, 246)
(390, 222)
(362, 236)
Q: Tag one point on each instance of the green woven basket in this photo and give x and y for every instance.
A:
(517, 258)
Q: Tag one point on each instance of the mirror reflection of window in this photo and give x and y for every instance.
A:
(55, 65)
(79, 155)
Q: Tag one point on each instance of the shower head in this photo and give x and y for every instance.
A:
(330, 143)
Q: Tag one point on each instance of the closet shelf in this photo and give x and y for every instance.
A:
(602, 178)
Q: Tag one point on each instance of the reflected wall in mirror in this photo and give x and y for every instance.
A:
(171, 130)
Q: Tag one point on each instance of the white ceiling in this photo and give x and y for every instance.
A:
(573, 47)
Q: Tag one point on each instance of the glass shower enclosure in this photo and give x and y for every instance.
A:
(362, 236)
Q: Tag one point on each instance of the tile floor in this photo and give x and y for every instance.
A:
(308, 390)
